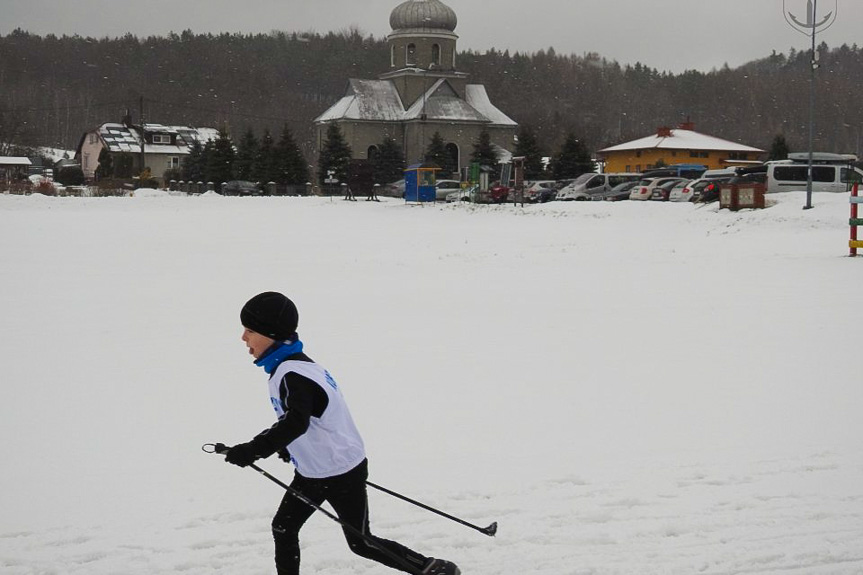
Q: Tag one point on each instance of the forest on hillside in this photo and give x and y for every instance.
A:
(53, 89)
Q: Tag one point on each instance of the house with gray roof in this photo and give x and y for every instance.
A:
(161, 147)
(422, 93)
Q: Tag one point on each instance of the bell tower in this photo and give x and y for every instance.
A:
(423, 48)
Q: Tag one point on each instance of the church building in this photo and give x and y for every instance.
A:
(422, 93)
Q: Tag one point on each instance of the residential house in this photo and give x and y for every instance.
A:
(164, 147)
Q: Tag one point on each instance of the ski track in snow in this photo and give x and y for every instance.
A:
(689, 519)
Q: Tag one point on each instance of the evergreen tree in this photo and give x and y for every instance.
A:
(265, 165)
(436, 152)
(572, 160)
(779, 148)
(247, 152)
(123, 166)
(528, 146)
(335, 155)
(220, 163)
(290, 164)
(106, 165)
(193, 167)
(389, 165)
(483, 152)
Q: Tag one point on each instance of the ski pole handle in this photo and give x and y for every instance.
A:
(214, 448)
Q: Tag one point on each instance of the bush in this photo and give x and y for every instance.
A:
(71, 176)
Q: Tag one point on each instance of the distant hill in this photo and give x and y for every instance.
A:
(53, 89)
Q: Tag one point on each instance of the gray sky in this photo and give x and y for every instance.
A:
(670, 35)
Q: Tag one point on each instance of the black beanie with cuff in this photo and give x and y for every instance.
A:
(271, 314)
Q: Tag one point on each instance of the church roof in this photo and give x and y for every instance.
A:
(423, 14)
(379, 101)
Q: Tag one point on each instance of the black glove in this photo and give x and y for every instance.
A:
(284, 454)
(242, 455)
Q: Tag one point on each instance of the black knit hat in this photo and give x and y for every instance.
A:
(271, 314)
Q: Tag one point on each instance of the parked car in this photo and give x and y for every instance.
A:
(619, 192)
(661, 192)
(644, 189)
(540, 192)
(463, 195)
(499, 194)
(444, 187)
(393, 190)
(682, 191)
(586, 186)
(241, 188)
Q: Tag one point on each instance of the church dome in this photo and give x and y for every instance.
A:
(428, 14)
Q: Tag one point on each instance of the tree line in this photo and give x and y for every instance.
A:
(54, 89)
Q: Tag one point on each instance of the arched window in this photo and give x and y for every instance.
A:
(436, 54)
(410, 54)
(452, 159)
(372, 153)
(393, 57)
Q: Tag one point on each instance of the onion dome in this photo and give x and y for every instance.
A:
(423, 14)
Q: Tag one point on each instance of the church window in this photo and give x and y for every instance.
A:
(410, 53)
(393, 56)
(436, 54)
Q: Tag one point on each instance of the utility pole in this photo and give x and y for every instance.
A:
(810, 27)
(143, 133)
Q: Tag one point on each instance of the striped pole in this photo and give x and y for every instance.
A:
(856, 200)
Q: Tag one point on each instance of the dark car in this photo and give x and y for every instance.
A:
(240, 188)
(619, 192)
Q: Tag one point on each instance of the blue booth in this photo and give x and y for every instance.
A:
(420, 180)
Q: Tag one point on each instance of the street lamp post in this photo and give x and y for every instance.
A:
(810, 27)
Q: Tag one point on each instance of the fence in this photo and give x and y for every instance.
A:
(855, 221)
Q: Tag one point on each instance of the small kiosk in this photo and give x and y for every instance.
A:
(420, 180)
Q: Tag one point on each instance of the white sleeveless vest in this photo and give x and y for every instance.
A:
(332, 444)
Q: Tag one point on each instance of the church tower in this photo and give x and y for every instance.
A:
(422, 48)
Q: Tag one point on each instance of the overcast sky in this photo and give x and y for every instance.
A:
(670, 35)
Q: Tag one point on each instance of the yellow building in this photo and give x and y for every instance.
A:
(677, 146)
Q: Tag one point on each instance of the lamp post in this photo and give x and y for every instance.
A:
(810, 27)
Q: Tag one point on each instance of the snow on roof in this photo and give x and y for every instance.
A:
(14, 161)
(681, 140)
(379, 100)
(441, 102)
(122, 138)
(376, 100)
(478, 98)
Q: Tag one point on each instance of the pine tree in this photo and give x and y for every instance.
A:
(528, 146)
(193, 166)
(290, 164)
(389, 165)
(106, 165)
(572, 160)
(335, 155)
(247, 152)
(265, 169)
(436, 152)
(483, 152)
(779, 149)
(220, 164)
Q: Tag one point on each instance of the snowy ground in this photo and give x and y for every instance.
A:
(626, 388)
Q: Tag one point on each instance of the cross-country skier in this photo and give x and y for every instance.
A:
(316, 433)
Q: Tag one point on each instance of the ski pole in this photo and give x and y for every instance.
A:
(491, 530)
(220, 448)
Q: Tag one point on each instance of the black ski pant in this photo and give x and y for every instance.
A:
(348, 497)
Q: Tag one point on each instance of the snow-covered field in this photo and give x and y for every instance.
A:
(626, 388)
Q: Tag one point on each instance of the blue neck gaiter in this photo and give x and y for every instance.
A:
(277, 353)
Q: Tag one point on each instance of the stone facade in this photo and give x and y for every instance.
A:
(422, 93)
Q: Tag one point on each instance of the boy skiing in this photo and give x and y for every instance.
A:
(316, 433)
